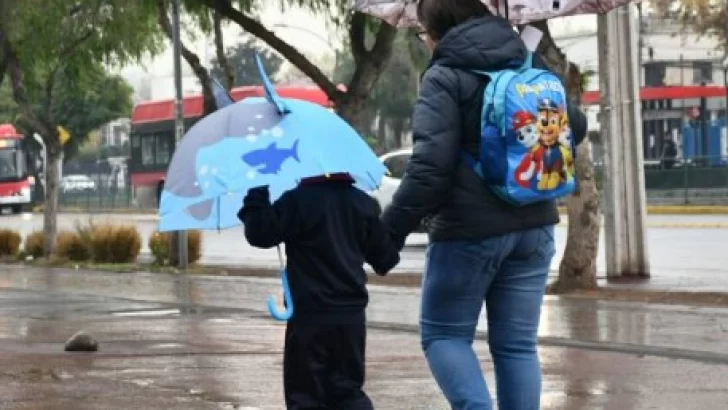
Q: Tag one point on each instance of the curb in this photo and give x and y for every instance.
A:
(688, 225)
(679, 209)
(651, 210)
(153, 217)
(591, 345)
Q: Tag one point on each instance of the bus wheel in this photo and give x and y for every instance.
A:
(16, 209)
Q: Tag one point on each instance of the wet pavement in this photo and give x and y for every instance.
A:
(158, 355)
(676, 331)
(687, 251)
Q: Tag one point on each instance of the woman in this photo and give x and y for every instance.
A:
(481, 248)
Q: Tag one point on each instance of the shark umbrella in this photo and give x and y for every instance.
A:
(258, 141)
(403, 13)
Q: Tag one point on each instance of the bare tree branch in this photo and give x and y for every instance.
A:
(192, 59)
(290, 53)
(220, 50)
(3, 69)
(357, 37)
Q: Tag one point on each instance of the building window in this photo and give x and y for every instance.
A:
(702, 72)
(655, 73)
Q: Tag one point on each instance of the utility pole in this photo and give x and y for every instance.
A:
(621, 127)
(180, 237)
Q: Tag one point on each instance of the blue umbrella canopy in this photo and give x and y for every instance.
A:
(258, 141)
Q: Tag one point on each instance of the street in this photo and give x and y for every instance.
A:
(185, 342)
(683, 248)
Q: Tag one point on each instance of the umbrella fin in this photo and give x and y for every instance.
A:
(270, 91)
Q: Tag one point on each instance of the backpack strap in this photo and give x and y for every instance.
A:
(528, 62)
(496, 90)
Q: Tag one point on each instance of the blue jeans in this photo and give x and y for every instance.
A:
(509, 273)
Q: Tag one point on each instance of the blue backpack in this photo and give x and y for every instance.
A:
(527, 149)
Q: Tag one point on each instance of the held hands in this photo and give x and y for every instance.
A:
(257, 195)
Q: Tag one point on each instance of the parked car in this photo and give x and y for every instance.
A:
(396, 163)
(77, 183)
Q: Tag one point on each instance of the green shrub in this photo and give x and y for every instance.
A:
(9, 242)
(70, 246)
(159, 246)
(34, 244)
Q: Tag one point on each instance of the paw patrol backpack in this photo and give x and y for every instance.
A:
(527, 149)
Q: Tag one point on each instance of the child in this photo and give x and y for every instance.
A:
(330, 229)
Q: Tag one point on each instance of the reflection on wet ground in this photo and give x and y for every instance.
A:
(676, 331)
(156, 356)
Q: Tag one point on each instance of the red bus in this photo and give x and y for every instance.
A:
(153, 139)
(15, 179)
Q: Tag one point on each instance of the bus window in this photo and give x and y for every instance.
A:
(147, 149)
(163, 151)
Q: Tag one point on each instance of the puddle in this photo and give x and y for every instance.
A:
(154, 312)
(143, 382)
(167, 346)
(220, 320)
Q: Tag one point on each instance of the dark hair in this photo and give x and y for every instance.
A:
(439, 16)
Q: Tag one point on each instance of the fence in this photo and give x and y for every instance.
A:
(702, 181)
(697, 181)
(95, 192)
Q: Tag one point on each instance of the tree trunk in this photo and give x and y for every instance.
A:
(370, 63)
(397, 131)
(382, 132)
(54, 158)
(578, 267)
(192, 59)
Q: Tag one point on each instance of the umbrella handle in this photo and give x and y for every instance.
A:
(286, 314)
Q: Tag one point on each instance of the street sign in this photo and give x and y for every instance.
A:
(63, 135)
(663, 114)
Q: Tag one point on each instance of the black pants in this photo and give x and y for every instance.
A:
(323, 367)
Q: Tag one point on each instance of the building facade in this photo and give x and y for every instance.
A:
(116, 133)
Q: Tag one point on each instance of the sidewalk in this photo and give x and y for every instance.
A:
(156, 356)
(648, 329)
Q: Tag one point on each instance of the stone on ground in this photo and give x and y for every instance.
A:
(82, 342)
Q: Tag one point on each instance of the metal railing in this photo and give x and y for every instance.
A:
(698, 181)
(695, 181)
(105, 192)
